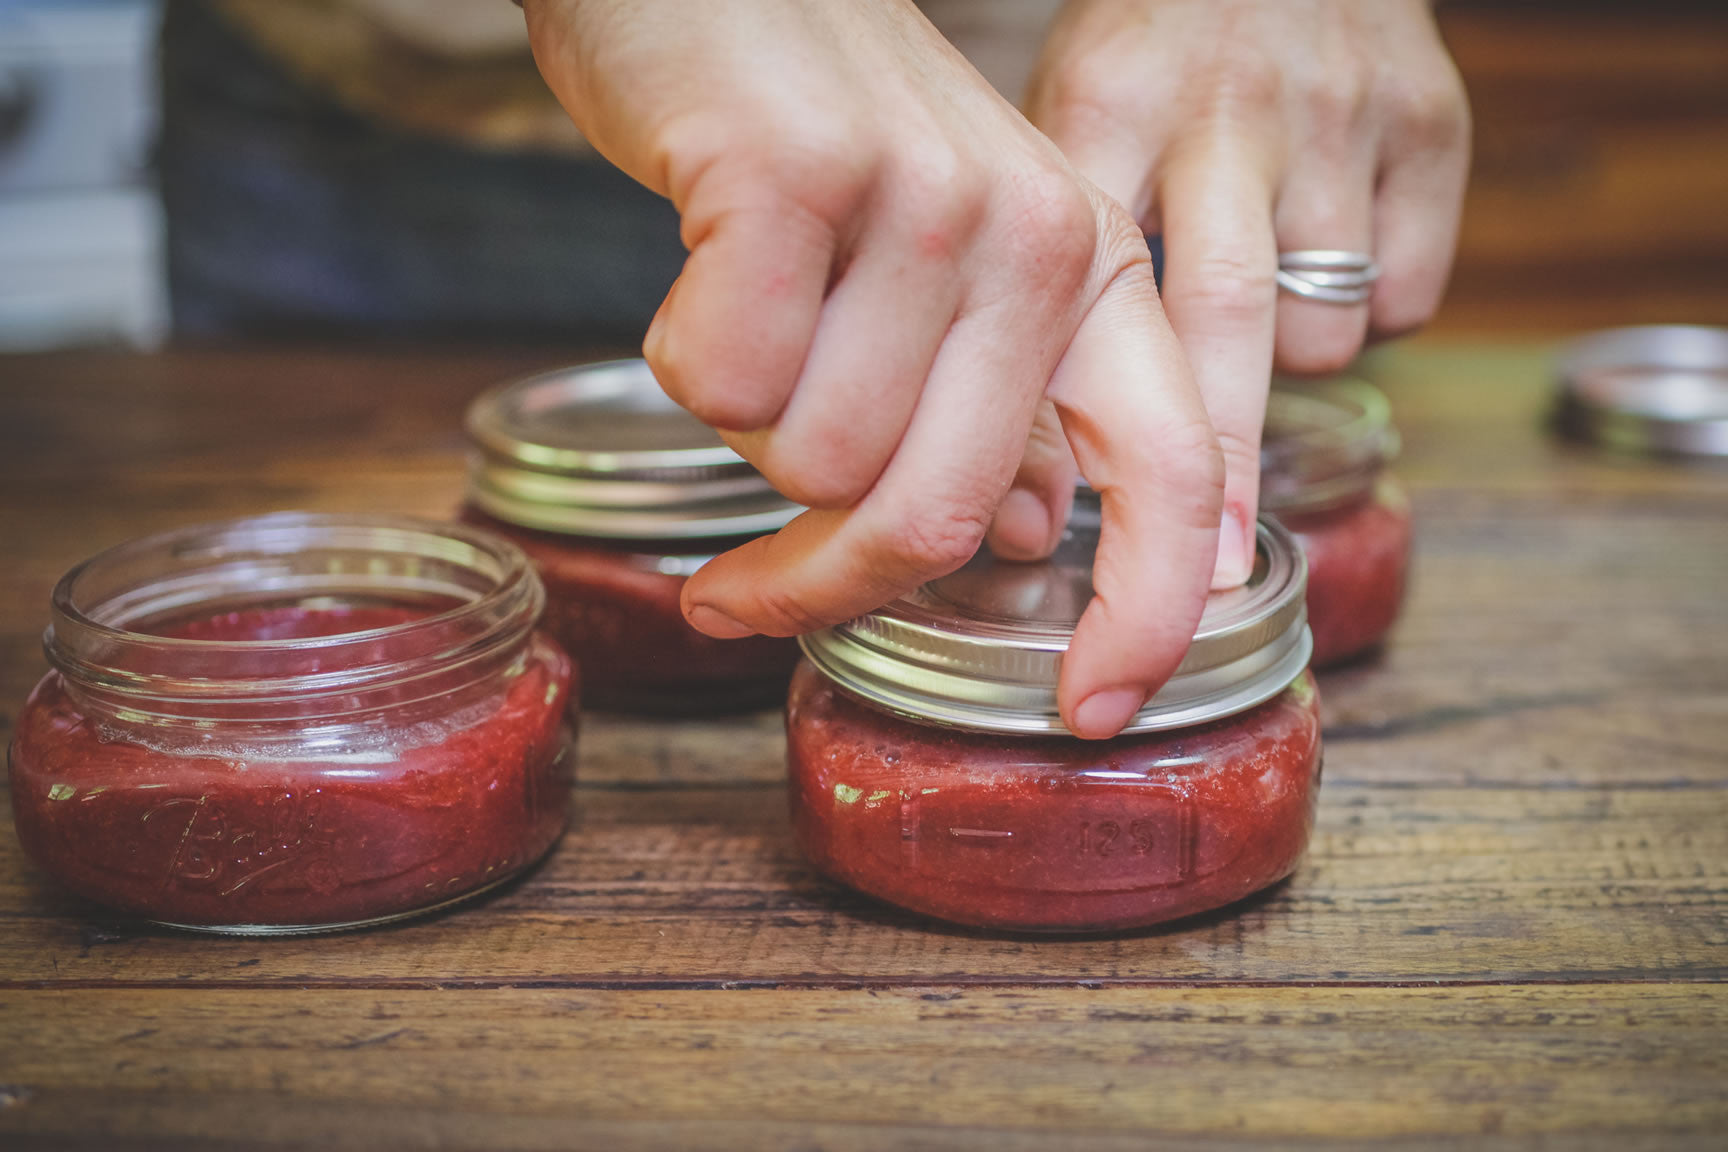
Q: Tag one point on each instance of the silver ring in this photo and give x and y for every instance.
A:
(1328, 275)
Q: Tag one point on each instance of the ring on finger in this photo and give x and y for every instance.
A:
(1328, 275)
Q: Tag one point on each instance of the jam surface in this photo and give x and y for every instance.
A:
(619, 617)
(388, 818)
(1358, 559)
(1051, 833)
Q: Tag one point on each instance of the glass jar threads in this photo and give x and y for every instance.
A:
(294, 723)
(929, 767)
(1323, 474)
(618, 496)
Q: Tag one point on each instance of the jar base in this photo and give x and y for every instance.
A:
(263, 930)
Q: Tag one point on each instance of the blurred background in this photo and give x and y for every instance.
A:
(224, 170)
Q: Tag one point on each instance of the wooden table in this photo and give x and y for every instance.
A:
(1510, 929)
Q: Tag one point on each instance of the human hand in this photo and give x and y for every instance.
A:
(889, 270)
(1241, 128)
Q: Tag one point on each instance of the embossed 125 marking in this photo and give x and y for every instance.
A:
(1112, 838)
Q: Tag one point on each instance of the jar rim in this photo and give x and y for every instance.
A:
(1656, 389)
(1325, 443)
(93, 640)
(955, 660)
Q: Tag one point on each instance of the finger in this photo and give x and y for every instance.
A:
(1029, 523)
(874, 347)
(1324, 206)
(1417, 208)
(1142, 438)
(926, 514)
(730, 339)
(1117, 158)
(1221, 297)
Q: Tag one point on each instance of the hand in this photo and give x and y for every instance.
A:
(1239, 128)
(889, 270)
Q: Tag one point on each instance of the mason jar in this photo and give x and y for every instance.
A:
(294, 723)
(618, 496)
(1323, 468)
(929, 767)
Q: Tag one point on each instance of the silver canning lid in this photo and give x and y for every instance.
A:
(982, 647)
(600, 450)
(1324, 442)
(1658, 389)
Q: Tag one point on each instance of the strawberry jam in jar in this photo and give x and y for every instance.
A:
(294, 723)
(930, 769)
(1323, 475)
(618, 495)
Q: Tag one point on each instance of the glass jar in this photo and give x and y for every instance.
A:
(294, 723)
(930, 769)
(1323, 469)
(618, 496)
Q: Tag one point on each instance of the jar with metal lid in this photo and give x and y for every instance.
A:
(294, 723)
(1323, 474)
(618, 495)
(929, 767)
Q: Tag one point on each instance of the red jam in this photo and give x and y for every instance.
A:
(618, 495)
(1051, 834)
(1323, 462)
(266, 835)
(1358, 558)
(294, 722)
(612, 608)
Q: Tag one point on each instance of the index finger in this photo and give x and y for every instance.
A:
(1141, 436)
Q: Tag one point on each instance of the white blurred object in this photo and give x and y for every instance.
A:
(81, 257)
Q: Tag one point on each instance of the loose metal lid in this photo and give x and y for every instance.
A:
(600, 450)
(1658, 389)
(1324, 442)
(982, 648)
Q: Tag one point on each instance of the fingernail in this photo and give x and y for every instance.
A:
(1104, 714)
(1235, 549)
(1022, 525)
(715, 623)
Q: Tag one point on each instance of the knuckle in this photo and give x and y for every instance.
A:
(1091, 96)
(734, 407)
(1190, 470)
(1434, 114)
(947, 198)
(823, 166)
(718, 398)
(1339, 104)
(833, 484)
(1242, 82)
(1233, 286)
(1051, 227)
(934, 541)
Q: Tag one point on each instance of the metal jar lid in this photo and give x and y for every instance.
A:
(982, 648)
(1324, 442)
(1658, 389)
(600, 450)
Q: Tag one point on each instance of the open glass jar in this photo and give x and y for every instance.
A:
(930, 769)
(618, 496)
(294, 723)
(1323, 474)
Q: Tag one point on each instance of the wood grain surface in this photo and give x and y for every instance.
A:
(1510, 930)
